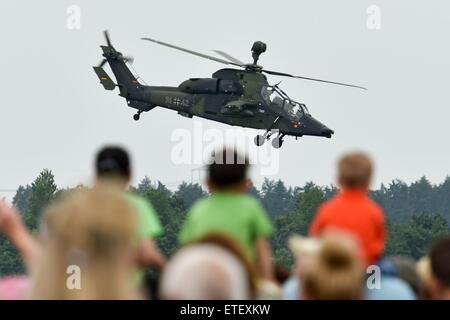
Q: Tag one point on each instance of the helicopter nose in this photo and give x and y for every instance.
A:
(327, 131)
(314, 127)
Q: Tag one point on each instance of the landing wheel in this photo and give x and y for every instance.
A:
(259, 140)
(137, 116)
(277, 142)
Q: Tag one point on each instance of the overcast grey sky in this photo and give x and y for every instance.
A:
(54, 114)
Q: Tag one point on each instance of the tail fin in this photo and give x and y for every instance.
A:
(126, 81)
(117, 63)
(129, 86)
(105, 80)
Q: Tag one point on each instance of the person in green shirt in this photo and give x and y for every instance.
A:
(113, 171)
(230, 211)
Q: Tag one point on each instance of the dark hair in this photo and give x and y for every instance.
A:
(228, 168)
(113, 161)
(440, 260)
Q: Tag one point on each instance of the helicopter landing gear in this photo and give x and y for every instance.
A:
(277, 142)
(137, 116)
(260, 139)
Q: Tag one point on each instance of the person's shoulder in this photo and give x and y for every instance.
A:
(139, 201)
(328, 205)
(249, 201)
(391, 288)
(200, 205)
(375, 207)
(135, 198)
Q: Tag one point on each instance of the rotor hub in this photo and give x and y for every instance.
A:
(253, 67)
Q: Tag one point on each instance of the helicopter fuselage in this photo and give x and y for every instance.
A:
(234, 97)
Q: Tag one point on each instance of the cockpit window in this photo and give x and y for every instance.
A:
(271, 96)
(277, 99)
(293, 110)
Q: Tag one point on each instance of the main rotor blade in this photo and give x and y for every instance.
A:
(229, 57)
(129, 59)
(108, 41)
(193, 52)
(275, 73)
(101, 64)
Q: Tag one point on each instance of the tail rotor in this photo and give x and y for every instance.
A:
(108, 40)
(110, 53)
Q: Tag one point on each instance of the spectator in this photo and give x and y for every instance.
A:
(13, 227)
(334, 273)
(260, 288)
(233, 247)
(391, 285)
(93, 231)
(282, 274)
(306, 251)
(114, 171)
(406, 270)
(229, 210)
(423, 269)
(203, 271)
(352, 210)
(437, 280)
(14, 288)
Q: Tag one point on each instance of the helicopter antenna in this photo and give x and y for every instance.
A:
(137, 74)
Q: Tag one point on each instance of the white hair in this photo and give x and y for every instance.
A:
(203, 272)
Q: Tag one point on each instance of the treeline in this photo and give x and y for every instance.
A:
(416, 213)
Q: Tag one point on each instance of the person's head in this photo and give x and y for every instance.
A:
(440, 268)
(87, 243)
(406, 270)
(304, 250)
(205, 271)
(226, 242)
(228, 171)
(423, 270)
(335, 273)
(113, 163)
(355, 171)
(282, 273)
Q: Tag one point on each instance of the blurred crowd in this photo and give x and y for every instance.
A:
(100, 243)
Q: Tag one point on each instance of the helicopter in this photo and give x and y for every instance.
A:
(235, 96)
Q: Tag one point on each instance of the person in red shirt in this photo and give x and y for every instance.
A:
(352, 211)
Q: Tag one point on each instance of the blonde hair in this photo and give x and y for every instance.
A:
(205, 271)
(92, 230)
(355, 170)
(334, 274)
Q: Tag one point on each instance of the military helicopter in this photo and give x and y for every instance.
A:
(238, 97)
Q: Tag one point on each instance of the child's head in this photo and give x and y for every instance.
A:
(355, 171)
(228, 171)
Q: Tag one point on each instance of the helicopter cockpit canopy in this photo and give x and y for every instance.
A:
(278, 100)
